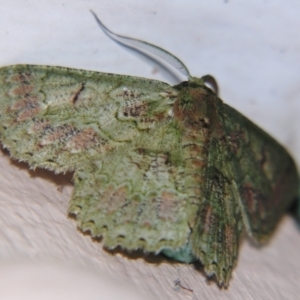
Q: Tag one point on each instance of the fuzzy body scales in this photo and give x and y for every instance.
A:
(159, 168)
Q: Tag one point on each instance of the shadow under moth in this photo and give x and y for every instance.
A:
(166, 169)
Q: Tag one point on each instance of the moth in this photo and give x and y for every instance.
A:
(166, 169)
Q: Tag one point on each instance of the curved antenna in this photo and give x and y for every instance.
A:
(211, 82)
(139, 45)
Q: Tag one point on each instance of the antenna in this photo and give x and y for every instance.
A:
(145, 48)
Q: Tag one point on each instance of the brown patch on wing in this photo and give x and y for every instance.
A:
(22, 77)
(255, 202)
(167, 203)
(40, 125)
(85, 139)
(195, 153)
(235, 139)
(207, 219)
(23, 90)
(59, 134)
(230, 238)
(250, 197)
(26, 108)
(112, 199)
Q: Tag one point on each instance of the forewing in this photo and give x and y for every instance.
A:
(216, 229)
(265, 173)
(60, 118)
(250, 181)
(117, 134)
(216, 234)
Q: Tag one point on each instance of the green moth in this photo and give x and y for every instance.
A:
(161, 168)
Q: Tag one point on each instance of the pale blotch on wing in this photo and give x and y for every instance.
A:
(61, 96)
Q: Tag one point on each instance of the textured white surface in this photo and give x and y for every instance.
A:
(251, 48)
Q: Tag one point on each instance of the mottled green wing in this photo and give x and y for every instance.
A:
(60, 118)
(217, 228)
(249, 182)
(118, 135)
(216, 236)
(265, 173)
